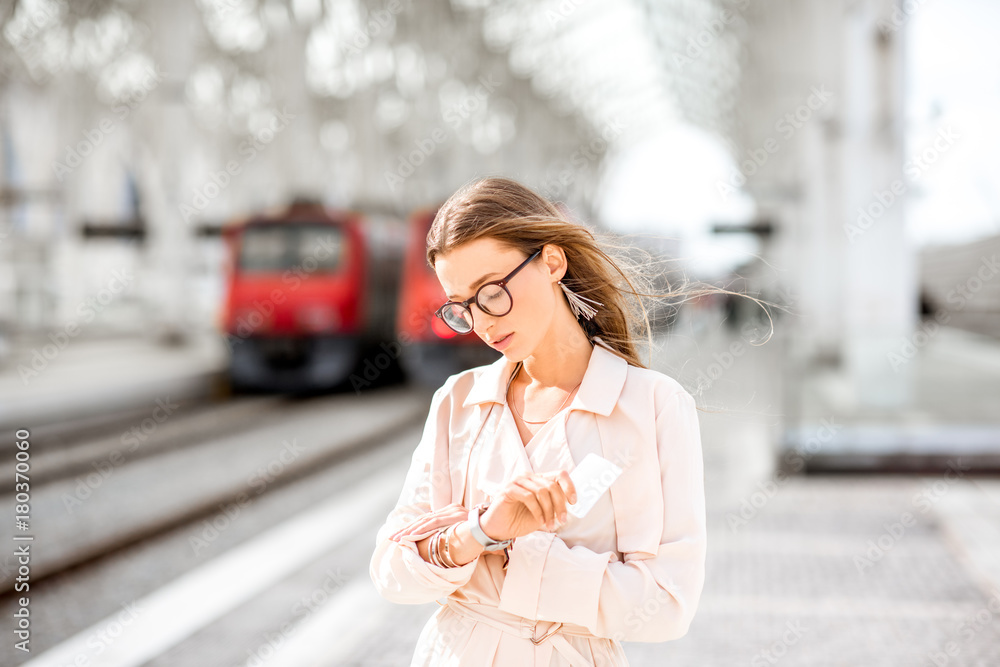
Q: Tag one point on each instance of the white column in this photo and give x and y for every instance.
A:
(879, 269)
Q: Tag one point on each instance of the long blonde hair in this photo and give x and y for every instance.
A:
(598, 266)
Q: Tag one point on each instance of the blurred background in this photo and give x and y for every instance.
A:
(216, 329)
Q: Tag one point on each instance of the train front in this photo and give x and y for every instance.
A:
(293, 312)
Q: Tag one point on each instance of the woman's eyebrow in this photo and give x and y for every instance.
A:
(476, 284)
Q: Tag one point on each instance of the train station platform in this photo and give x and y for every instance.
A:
(810, 417)
(808, 569)
(852, 568)
(848, 564)
(46, 382)
(951, 411)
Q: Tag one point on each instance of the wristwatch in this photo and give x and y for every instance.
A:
(489, 544)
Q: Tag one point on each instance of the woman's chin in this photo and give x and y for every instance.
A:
(512, 355)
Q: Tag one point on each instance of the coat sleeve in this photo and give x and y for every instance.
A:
(399, 573)
(639, 600)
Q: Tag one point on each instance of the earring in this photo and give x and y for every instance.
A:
(577, 305)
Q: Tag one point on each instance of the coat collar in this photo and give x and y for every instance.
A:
(599, 392)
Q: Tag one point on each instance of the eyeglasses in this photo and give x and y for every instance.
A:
(493, 298)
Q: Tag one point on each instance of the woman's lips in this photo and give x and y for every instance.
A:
(503, 342)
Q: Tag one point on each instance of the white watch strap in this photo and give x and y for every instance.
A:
(480, 536)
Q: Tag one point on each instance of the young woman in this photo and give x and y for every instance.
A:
(481, 525)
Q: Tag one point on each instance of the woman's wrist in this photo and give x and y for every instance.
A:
(462, 545)
(484, 523)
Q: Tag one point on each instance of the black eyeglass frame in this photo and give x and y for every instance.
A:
(502, 282)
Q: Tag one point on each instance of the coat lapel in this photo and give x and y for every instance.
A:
(501, 458)
(629, 441)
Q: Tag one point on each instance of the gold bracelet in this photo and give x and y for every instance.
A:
(433, 551)
(437, 545)
(446, 550)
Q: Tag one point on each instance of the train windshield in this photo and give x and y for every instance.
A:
(309, 247)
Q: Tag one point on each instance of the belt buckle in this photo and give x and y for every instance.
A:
(548, 634)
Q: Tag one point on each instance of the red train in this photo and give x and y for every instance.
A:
(431, 351)
(318, 299)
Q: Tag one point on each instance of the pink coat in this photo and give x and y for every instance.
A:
(632, 569)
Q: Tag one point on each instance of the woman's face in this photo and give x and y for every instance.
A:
(462, 270)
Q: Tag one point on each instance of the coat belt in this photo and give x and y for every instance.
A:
(536, 631)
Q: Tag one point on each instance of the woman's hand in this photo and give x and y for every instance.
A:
(535, 501)
(427, 523)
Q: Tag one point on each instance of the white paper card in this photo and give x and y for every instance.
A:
(592, 477)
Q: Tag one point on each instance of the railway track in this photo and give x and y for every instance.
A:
(93, 499)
